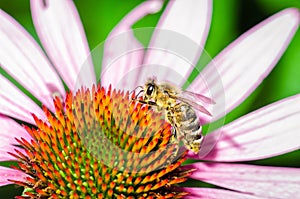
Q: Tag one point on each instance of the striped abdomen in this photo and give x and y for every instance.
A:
(188, 125)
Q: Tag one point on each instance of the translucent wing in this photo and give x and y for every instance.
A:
(192, 99)
(194, 105)
(197, 97)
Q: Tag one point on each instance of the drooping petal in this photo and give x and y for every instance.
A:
(9, 131)
(123, 52)
(241, 67)
(260, 181)
(14, 103)
(12, 174)
(178, 41)
(61, 33)
(213, 193)
(24, 60)
(267, 132)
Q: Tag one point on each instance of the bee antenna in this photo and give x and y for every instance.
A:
(138, 92)
(136, 88)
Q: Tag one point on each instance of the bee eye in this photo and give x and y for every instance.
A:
(150, 89)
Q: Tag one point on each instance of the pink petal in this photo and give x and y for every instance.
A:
(24, 60)
(261, 181)
(9, 131)
(212, 193)
(122, 52)
(60, 30)
(241, 67)
(16, 104)
(267, 132)
(7, 173)
(178, 41)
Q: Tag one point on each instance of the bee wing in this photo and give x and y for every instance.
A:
(196, 97)
(194, 105)
(192, 101)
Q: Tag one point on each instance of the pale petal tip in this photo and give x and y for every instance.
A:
(293, 14)
(155, 6)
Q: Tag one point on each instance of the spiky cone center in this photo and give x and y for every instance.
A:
(100, 144)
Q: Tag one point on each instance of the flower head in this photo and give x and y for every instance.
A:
(65, 153)
(102, 146)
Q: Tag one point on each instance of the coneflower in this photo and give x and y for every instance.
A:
(101, 144)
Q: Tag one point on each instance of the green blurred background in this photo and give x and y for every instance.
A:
(230, 19)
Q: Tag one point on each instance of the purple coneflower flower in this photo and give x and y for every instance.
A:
(53, 162)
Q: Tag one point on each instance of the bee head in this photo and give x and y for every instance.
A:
(150, 90)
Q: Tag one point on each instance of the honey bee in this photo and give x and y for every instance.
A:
(179, 107)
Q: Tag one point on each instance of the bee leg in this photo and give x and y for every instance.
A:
(174, 142)
(170, 118)
(174, 132)
(173, 157)
(148, 102)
